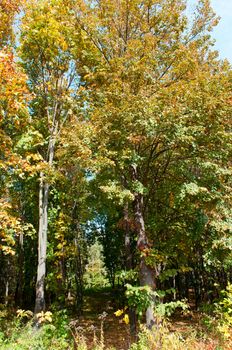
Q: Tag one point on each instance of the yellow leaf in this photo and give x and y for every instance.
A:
(126, 319)
(118, 313)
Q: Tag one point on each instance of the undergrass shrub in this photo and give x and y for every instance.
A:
(19, 334)
(30, 339)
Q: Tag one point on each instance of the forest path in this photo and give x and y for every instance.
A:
(98, 313)
(99, 322)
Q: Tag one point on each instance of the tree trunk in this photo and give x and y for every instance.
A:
(42, 244)
(79, 272)
(147, 273)
(7, 293)
(129, 266)
(43, 229)
(127, 240)
(20, 277)
(147, 279)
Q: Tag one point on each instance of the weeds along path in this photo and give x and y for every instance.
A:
(98, 322)
(99, 325)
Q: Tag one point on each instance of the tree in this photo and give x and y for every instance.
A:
(14, 96)
(45, 53)
(8, 10)
(121, 130)
(155, 90)
(95, 271)
(15, 164)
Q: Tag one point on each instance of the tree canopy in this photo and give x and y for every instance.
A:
(115, 125)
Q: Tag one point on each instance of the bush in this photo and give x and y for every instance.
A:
(223, 312)
(21, 336)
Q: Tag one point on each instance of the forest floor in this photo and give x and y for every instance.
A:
(115, 333)
(98, 320)
(99, 328)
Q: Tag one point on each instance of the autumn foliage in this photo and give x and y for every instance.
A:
(115, 128)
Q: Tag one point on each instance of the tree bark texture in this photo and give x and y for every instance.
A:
(146, 272)
(42, 244)
(42, 234)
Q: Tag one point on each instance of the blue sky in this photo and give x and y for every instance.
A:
(223, 32)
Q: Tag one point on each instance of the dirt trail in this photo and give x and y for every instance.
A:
(98, 313)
